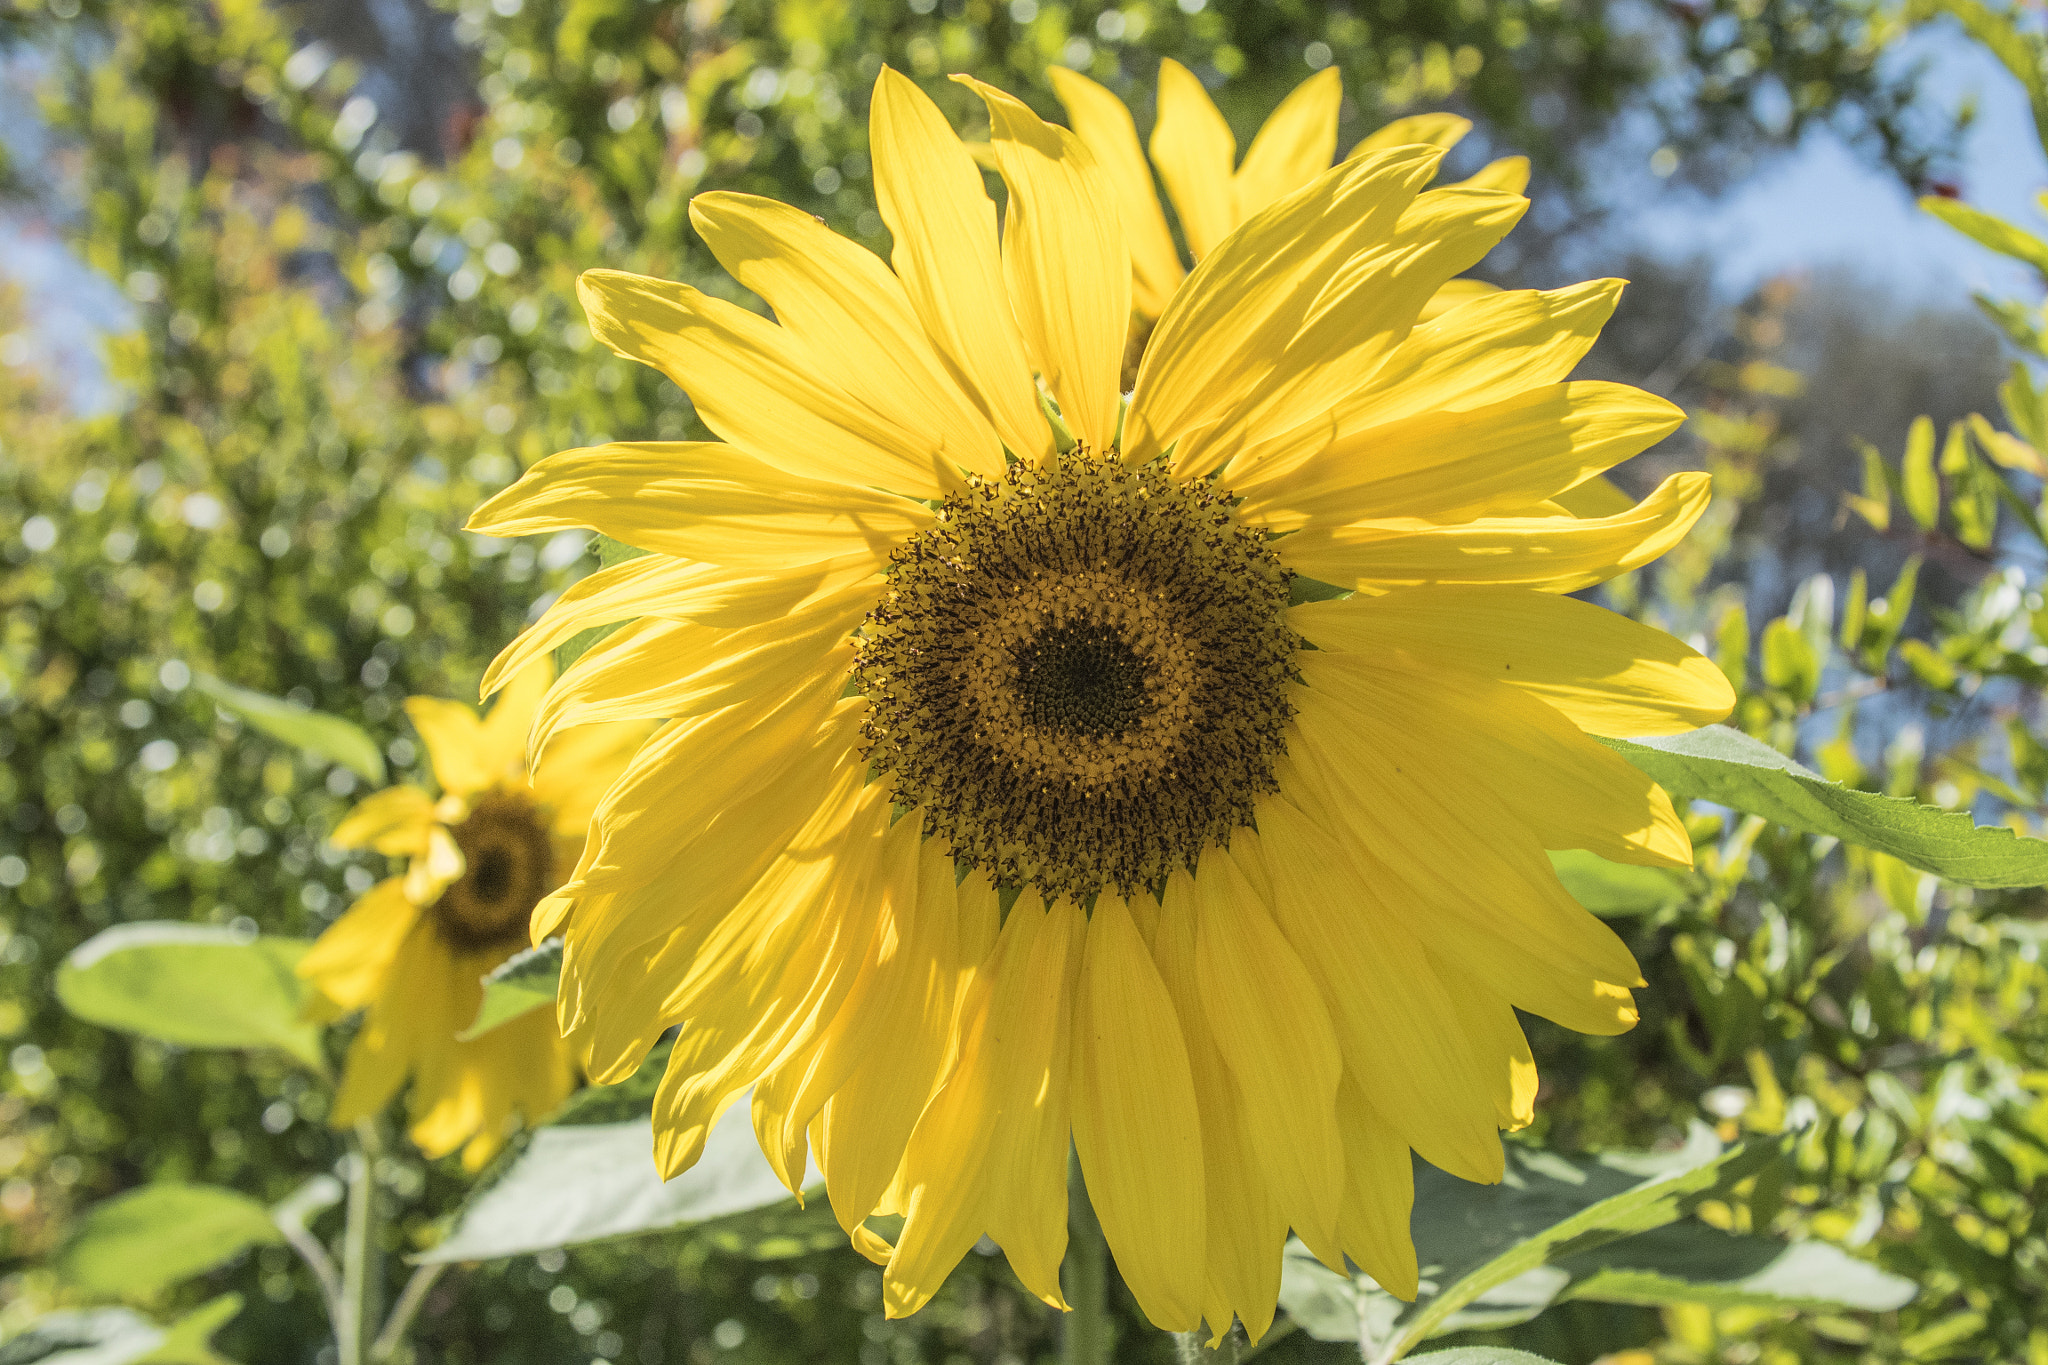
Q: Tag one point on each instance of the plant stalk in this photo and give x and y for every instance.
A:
(360, 1280)
(1089, 1335)
(385, 1347)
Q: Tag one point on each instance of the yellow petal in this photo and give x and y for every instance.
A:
(1027, 1209)
(504, 731)
(434, 871)
(1379, 1192)
(1135, 1123)
(1568, 790)
(1552, 553)
(1102, 122)
(1610, 675)
(1064, 258)
(654, 669)
(1596, 497)
(1498, 1039)
(990, 1151)
(1245, 1230)
(868, 1122)
(1508, 173)
(756, 385)
(347, 964)
(1454, 294)
(1435, 130)
(1454, 466)
(801, 953)
(1463, 873)
(881, 1008)
(1397, 1025)
(580, 766)
(394, 821)
(1195, 153)
(1232, 319)
(404, 1018)
(1275, 1035)
(853, 318)
(930, 195)
(701, 500)
(1295, 145)
(1365, 310)
(674, 590)
(454, 736)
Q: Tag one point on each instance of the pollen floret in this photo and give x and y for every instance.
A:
(507, 867)
(1080, 671)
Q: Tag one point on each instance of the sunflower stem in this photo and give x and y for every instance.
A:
(1089, 1335)
(360, 1306)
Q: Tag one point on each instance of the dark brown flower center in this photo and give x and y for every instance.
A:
(1080, 672)
(508, 859)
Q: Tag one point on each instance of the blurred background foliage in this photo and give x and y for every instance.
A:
(347, 235)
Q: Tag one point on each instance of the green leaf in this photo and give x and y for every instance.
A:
(519, 985)
(195, 985)
(1687, 1263)
(151, 1238)
(1918, 486)
(316, 732)
(120, 1336)
(1482, 1355)
(1726, 766)
(1475, 1241)
(1615, 890)
(2001, 236)
(587, 1182)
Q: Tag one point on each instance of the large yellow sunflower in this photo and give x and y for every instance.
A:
(1195, 154)
(414, 949)
(1005, 800)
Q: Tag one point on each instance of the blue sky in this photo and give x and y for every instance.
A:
(1823, 205)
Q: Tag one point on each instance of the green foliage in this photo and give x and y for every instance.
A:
(1726, 766)
(117, 1336)
(151, 1238)
(322, 736)
(522, 984)
(194, 985)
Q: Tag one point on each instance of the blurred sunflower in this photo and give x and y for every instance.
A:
(1000, 802)
(414, 949)
(1195, 154)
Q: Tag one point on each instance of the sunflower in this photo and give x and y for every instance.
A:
(1014, 792)
(414, 949)
(1195, 154)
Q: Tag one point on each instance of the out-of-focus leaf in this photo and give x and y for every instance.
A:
(1886, 616)
(517, 986)
(1615, 890)
(1973, 496)
(1728, 767)
(2001, 236)
(1919, 489)
(1472, 1241)
(1691, 1263)
(1481, 1355)
(2004, 448)
(316, 732)
(1928, 665)
(1874, 504)
(1789, 663)
(120, 1336)
(578, 1183)
(150, 1238)
(196, 985)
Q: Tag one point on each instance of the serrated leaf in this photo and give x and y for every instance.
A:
(151, 1238)
(578, 1183)
(195, 985)
(316, 732)
(1726, 766)
(519, 985)
(1473, 1241)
